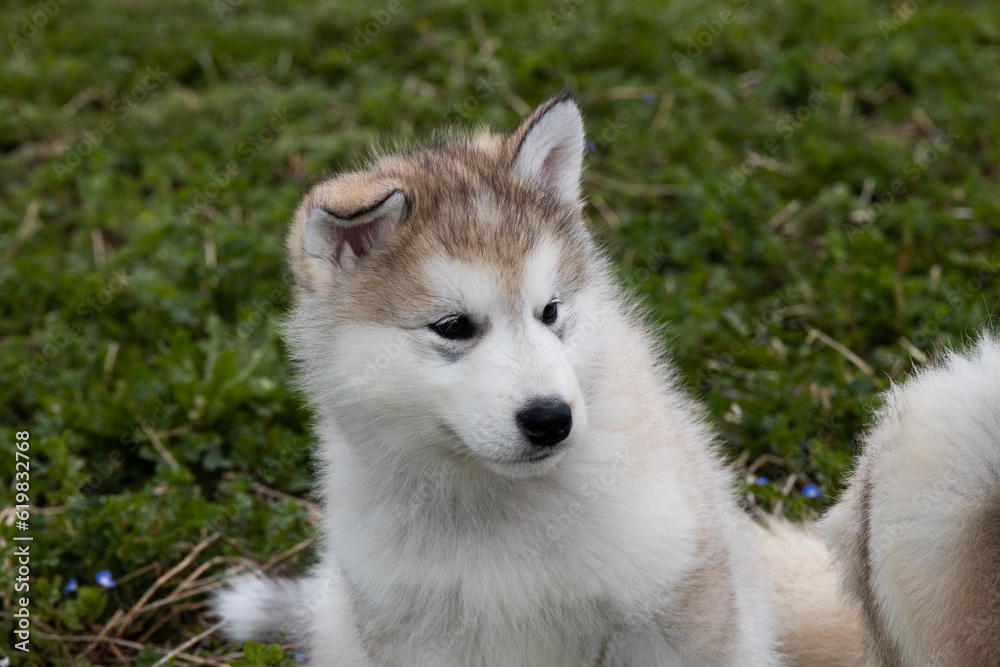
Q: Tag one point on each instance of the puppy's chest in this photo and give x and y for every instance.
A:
(551, 586)
(482, 612)
(451, 634)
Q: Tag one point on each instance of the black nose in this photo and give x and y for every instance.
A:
(546, 423)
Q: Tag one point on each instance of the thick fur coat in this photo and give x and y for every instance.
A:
(510, 474)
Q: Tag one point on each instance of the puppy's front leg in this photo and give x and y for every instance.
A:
(334, 639)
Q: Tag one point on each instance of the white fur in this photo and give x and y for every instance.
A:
(623, 548)
(271, 609)
(251, 606)
(521, 359)
(552, 152)
(463, 562)
(474, 555)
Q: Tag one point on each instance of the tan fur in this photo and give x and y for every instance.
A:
(972, 634)
(707, 598)
(961, 625)
(447, 176)
(917, 534)
(817, 627)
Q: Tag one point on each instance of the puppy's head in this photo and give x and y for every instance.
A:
(443, 296)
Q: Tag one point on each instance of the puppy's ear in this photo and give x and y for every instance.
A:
(341, 221)
(548, 147)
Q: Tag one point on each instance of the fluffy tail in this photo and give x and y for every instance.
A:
(259, 608)
(917, 534)
(816, 628)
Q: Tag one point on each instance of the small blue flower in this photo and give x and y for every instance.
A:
(811, 491)
(300, 656)
(589, 147)
(70, 585)
(762, 480)
(649, 97)
(104, 579)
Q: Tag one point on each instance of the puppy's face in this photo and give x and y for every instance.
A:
(442, 295)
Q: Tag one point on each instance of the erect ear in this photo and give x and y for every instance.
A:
(548, 147)
(346, 218)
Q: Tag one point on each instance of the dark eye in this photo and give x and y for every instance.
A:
(454, 327)
(550, 312)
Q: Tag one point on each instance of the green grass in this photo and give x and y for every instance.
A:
(150, 154)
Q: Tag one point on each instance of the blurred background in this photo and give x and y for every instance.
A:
(803, 194)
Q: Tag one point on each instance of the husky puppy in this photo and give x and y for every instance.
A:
(510, 473)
